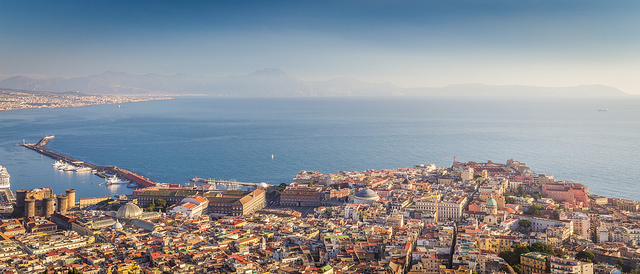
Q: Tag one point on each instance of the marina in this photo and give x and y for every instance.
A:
(112, 174)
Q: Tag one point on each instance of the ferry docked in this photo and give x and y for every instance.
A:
(115, 180)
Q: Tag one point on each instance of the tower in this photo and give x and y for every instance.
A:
(21, 195)
(71, 198)
(49, 206)
(62, 204)
(29, 207)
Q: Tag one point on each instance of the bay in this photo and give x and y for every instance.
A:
(234, 138)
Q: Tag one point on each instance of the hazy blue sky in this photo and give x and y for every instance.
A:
(408, 43)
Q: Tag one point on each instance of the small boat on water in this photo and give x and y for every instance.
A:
(83, 169)
(69, 167)
(58, 163)
(115, 180)
(603, 109)
(132, 185)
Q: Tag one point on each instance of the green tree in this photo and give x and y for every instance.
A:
(521, 191)
(534, 210)
(536, 195)
(526, 224)
(585, 255)
(560, 252)
(541, 247)
(510, 200)
(161, 203)
(152, 205)
(521, 249)
(510, 257)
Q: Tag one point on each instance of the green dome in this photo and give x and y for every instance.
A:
(492, 202)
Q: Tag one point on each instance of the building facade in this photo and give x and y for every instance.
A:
(534, 262)
(234, 203)
(297, 195)
(561, 265)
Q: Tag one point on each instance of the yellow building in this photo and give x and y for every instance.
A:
(535, 262)
(496, 244)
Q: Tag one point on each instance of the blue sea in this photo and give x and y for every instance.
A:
(234, 139)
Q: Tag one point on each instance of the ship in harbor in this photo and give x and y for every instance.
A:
(64, 166)
(4, 178)
(115, 180)
(6, 195)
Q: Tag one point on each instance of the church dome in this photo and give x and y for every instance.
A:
(129, 211)
(367, 194)
(492, 202)
(117, 225)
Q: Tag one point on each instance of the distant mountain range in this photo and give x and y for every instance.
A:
(272, 82)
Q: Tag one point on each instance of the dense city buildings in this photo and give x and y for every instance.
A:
(467, 218)
(15, 99)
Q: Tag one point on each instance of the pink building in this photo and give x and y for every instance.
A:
(570, 192)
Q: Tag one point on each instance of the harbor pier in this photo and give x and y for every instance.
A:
(101, 171)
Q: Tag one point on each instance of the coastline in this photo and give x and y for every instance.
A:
(17, 100)
(236, 135)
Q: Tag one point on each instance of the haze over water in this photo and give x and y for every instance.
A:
(232, 138)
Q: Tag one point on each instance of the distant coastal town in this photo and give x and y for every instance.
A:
(16, 99)
(465, 218)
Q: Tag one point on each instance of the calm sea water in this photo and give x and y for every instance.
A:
(232, 138)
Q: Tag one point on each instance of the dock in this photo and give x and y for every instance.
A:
(223, 182)
(100, 170)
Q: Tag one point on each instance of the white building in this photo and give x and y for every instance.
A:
(561, 265)
(192, 206)
(602, 235)
(539, 224)
(351, 211)
(451, 209)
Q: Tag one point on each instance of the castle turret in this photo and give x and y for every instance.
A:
(62, 204)
(71, 198)
(29, 208)
(49, 206)
(21, 195)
